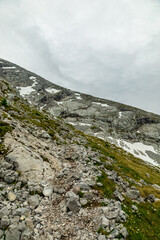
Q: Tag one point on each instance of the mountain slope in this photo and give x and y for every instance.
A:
(135, 130)
(56, 182)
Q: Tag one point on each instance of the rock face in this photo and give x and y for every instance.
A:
(120, 124)
(56, 182)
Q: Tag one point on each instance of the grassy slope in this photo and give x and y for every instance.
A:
(142, 225)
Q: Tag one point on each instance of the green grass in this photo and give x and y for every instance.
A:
(4, 128)
(144, 224)
(108, 187)
(4, 102)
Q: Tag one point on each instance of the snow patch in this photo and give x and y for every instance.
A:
(72, 123)
(32, 78)
(85, 124)
(60, 103)
(102, 104)
(27, 90)
(5, 68)
(138, 149)
(78, 96)
(52, 90)
(120, 114)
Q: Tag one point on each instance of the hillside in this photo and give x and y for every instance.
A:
(135, 130)
(60, 181)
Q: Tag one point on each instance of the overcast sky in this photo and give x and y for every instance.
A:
(107, 48)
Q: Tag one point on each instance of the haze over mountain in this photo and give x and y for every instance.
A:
(109, 49)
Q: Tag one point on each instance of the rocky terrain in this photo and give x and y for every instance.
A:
(135, 130)
(57, 182)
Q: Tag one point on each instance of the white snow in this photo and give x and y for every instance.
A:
(72, 123)
(102, 104)
(17, 71)
(59, 103)
(81, 124)
(52, 90)
(120, 114)
(78, 96)
(84, 124)
(138, 149)
(27, 90)
(32, 78)
(8, 68)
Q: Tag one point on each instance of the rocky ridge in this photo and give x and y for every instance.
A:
(58, 183)
(135, 130)
(45, 188)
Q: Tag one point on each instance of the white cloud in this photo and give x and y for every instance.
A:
(106, 48)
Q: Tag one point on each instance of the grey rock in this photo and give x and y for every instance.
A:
(88, 196)
(119, 196)
(5, 222)
(157, 187)
(84, 186)
(77, 176)
(112, 224)
(133, 193)
(45, 135)
(143, 182)
(22, 212)
(134, 208)
(22, 226)
(99, 184)
(47, 191)
(13, 233)
(4, 211)
(113, 234)
(101, 237)
(113, 214)
(11, 197)
(33, 201)
(12, 160)
(83, 201)
(73, 205)
(71, 195)
(1, 233)
(7, 165)
(124, 232)
(104, 222)
(9, 179)
(122, 216)
(151, 198)
(26, 235)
